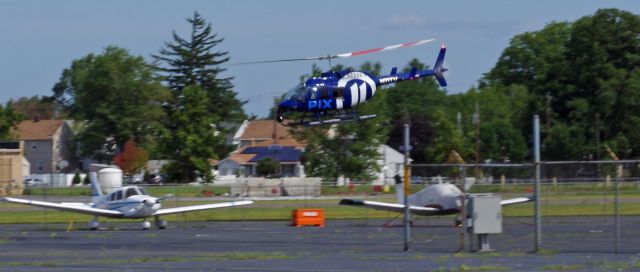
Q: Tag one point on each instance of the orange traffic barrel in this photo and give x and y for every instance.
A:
(308, 217)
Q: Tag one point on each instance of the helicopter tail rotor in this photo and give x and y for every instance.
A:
(438, 69)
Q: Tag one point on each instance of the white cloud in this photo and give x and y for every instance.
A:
(406, 20)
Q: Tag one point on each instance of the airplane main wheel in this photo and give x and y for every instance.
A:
(161, 224)
(457, 221)
(94, 224)
(146, 225)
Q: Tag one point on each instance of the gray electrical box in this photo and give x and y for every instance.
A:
(485, 213)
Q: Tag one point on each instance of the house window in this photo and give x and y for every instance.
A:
(287, 170)
(39, 165)
(34, 147)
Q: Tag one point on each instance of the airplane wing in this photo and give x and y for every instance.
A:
(517, 200)
(71, 207)
(392, 207)
(202, 207)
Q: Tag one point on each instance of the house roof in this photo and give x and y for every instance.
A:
(241, 158)
(30, 130)
(277, 153)
(262, 130)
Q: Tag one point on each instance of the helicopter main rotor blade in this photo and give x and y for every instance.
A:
(380, 49)
(344, 55)
(281, 60)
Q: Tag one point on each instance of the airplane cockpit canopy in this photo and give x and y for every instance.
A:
(125, 193)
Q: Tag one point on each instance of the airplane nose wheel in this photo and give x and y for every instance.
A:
(146, 225)
(160, 224)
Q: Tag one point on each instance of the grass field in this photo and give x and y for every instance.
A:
(561, 200)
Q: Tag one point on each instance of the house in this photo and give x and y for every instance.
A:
(47, 145)
(244, 161)
(259, 139)
(12, 164)
(263, 133)
(391, 163)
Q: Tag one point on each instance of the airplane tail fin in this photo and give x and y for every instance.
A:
(96, 191)
(438, 69)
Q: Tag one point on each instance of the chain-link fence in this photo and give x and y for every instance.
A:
(585, 206)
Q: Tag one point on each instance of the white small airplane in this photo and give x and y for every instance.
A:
(127, 202)
(437, 199)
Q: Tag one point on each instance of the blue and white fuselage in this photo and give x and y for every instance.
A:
(339, 90)
(124, 202)
(131, 202)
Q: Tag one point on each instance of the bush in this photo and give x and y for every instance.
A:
(267, 167)
(76, 179)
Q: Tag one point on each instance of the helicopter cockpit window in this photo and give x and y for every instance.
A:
(324, 93)
(130, 192)
(296, 93)
(338, 92)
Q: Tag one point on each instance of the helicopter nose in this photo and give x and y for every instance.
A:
(287, 104)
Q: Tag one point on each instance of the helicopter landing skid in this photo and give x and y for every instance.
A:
(338, 119)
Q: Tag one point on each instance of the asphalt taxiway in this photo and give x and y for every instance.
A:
(578, 243)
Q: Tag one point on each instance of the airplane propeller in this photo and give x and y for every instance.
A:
(150, 202)
(344, 55)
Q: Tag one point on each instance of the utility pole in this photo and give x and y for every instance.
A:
(536, 161)
(407, 215)
(476, 123)
(548, 96)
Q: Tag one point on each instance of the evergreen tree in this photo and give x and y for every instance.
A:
(189, 143)
(192, 61)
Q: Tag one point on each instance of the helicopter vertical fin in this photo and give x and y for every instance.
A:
(438, 69)
(414, 71)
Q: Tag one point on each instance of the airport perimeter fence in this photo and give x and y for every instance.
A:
(586, 207)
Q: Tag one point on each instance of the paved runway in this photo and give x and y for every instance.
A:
(578, 243)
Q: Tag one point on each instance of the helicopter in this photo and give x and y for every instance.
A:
(336, 94)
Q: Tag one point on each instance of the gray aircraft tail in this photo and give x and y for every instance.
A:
(96, 191)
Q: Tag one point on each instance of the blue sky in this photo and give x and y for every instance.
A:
(38, 39)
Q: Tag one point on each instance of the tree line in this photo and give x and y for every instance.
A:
(581, 77)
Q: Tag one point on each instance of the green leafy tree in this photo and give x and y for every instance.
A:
(37, 107)
(116, 97)
(9, 119)
(191, 139)
(590, 69)
(348, 150)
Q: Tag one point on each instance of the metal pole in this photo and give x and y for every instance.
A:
(407, 218)
(536, 161)
(617, 209)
